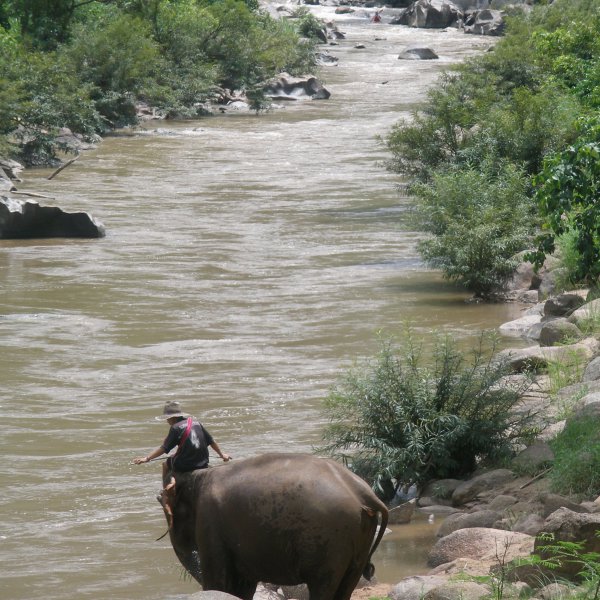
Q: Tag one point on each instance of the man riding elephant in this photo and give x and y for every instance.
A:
(192, 441)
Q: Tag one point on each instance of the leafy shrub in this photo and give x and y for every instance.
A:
(397, 419)
(567, 189)
(479, 220)
(576, 467)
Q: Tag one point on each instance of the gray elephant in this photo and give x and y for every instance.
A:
(278, 518)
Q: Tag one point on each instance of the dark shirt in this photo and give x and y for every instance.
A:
(194, 452)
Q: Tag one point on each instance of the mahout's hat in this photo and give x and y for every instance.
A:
(172, 409)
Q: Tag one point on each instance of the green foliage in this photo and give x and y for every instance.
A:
(84, 64)
(309, 26)
(576, 467)
(398, 419)
(556, 553)
(567, 190)
(479, 220)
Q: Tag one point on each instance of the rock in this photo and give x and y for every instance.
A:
(441, 488)
(563, 305)
(402, 513)
(417, 53)
(463, 566)
(592, 370)
(587, 312)
(570, 526)
(344, 10)
(519, 327)
(555, 591)
(286, 87)
(267, 592)
(559, 331)
(430, 14)
(536, 357)
(415, 588)
(529, 524)
(534, 458)
(480, 543)
(438, 510)
(469, 490)
(480, 518)
(458, 590)
(325, 59)
(590, 409)
(524, 277)
(11, 168)
(553, 502)
(501, 502)
(212, 595)
(26, 220)
(484, 22)
(6, 185)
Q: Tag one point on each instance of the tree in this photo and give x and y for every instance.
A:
(568, 193)
(396, 419)
(478, 218)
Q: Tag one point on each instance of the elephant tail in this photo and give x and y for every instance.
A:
(369, 569)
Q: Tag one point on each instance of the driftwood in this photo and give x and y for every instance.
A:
(538, 476)
(69, 162)
(33, 195)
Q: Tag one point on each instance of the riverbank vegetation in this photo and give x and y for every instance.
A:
(405, 418)
(504, 155)
(84, 64)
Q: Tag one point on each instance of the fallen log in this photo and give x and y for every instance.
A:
(69, 162)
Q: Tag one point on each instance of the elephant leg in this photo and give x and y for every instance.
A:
(348, 584)
(322, 589)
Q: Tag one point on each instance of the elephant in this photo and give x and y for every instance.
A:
(278, 518)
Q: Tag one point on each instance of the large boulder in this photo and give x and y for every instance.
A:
(484, 22)
(469, 490)
(562, 305)
(559, 331)
(11, 168)
(286, 87)
(587, 312)
(28, 220)
(569, 526)
(430, 14)
(480, 543)
(480, 518)
(533, 358)
(415, 587)
(402, 514)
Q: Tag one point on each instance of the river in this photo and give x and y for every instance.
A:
(248, 262)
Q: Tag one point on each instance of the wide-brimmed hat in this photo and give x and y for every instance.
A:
(172, 409)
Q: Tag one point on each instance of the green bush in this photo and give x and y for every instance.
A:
(576, 467)
(479, 220)
(399, 419)
(567, 192)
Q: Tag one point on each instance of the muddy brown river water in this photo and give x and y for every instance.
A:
(248, 261)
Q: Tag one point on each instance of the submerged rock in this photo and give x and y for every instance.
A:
(28, 220)
(417, 53)
(286, 87)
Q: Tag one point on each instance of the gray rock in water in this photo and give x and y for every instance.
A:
(417, 53)
(430, 14)
(286, 87)
(28, 220)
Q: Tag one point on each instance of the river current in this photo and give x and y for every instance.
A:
(249, 260)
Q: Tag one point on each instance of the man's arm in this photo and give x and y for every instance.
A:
(154, 454)
(216, 448)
